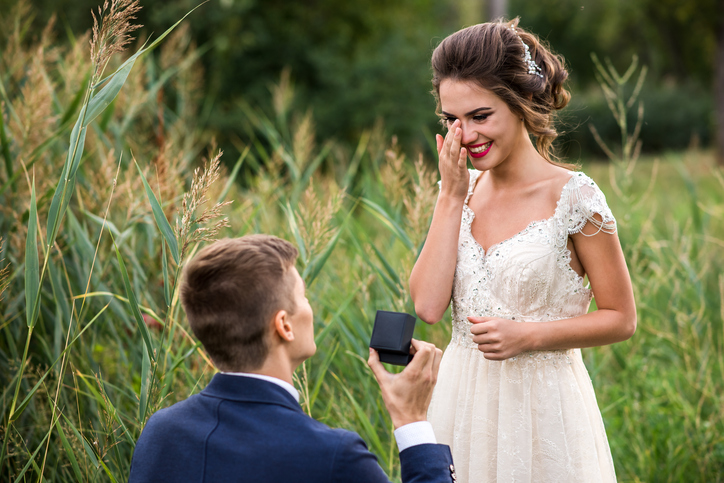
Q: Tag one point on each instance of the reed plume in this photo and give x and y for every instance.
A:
(112, 33)
(189, 227)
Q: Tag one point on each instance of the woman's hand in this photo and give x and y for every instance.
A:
(500, 339)
(453, 164)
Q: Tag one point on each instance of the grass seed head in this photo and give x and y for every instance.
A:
(189, 227)
(111, 34)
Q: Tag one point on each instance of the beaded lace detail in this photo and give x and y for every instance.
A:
(528, 276)
(533, 417)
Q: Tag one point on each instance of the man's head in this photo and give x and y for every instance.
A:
(233, 292)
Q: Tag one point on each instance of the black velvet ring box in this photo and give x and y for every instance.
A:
(392, 335)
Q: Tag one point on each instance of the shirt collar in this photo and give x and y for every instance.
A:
(283, 384)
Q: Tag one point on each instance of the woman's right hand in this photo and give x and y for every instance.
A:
(454, 174)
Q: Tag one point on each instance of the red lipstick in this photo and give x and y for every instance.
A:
(481, 153)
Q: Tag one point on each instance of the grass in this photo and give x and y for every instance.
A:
(96, 341)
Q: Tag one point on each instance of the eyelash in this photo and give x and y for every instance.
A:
(476, 118)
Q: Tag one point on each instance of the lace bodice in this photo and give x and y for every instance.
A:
(527, 277)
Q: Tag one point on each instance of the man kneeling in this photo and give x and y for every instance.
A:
(245, 302)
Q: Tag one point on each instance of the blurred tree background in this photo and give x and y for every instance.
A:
(355, 63)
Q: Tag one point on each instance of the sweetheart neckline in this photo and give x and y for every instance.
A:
(524, 230)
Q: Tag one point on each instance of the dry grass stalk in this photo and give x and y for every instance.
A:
(173, 50)
(317, 215)
(74, 65)
(14, 58)
(35, 121)
(4, 271)
(283, 93)
(170, 170)
(112, 33)
(303, 144)
(421, 202)
(190, 228)
(268, 185)
(393, 174)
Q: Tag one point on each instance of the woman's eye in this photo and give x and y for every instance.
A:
(480, 117)
(449, 120)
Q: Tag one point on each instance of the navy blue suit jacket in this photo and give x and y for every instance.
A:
(251, 430)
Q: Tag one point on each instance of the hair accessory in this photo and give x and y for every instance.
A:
(533, 68)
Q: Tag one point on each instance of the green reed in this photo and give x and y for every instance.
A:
(109, 344)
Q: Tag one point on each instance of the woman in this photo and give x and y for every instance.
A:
(510, 243)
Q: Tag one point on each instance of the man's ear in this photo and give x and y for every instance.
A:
(283, 326)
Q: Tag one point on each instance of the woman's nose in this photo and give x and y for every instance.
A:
(468, 136)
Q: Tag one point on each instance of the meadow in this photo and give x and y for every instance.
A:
(108, 187)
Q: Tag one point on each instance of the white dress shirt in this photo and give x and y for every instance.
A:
(406, 436)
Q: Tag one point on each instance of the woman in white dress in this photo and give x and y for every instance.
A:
(510, 244)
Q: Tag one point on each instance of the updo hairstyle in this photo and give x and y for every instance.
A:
(493, 56)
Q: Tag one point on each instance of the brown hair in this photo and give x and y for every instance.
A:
(492, 55)
(230, 292)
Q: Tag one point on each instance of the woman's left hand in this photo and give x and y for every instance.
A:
(500, 339)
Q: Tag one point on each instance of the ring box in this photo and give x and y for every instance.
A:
(392, 335)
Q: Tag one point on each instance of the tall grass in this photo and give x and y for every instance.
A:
(108, 343)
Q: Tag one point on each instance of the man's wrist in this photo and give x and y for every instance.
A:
(413, 434)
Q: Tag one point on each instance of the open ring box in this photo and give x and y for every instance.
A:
(392, 335)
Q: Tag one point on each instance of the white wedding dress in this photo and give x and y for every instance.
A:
(533, 417)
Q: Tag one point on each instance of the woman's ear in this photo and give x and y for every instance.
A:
(283, 326)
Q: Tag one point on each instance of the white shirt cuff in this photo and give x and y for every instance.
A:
(413, 434)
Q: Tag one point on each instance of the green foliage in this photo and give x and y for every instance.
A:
(110, 344)
(355, 63)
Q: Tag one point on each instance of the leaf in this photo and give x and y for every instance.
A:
(75, 102)
(115, 81)
(103, 99)
(362, 418)
(69, 451)
(134, 304)
(77, 144)
(166, 285)
(100, 221)
(232, 176)
(315, 266)
(322, 334)
(30, 394)
(145, 380)
(388, 268)
(61, 198)
(32, 264)
(88, 449)
(161, 221)
(292, 217)
(385, 218)
(4, 145)
(301, 184)
(32, 458)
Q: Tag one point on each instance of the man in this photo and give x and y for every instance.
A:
(245, 302)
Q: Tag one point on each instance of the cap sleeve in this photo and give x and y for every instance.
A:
(585, 201)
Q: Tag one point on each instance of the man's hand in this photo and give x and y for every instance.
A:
(407, 395)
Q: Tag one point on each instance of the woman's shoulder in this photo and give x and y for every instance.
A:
(584, 186)
(585, 202)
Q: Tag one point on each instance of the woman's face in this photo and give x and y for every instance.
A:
(491, 132)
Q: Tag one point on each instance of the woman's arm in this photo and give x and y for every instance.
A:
(432, 276)
(614, 321)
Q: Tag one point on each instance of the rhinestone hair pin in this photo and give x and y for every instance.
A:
(533, 68)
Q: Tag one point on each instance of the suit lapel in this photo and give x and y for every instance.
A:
(249, 389)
